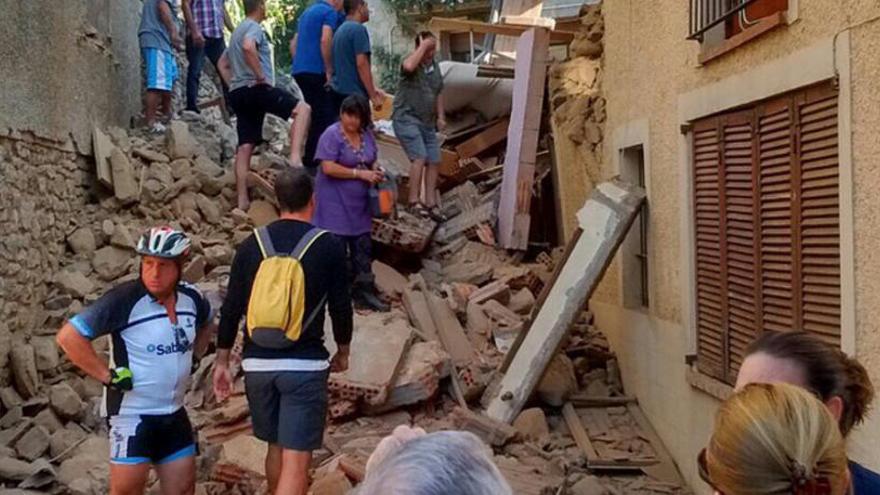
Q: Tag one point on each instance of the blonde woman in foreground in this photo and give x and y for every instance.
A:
(775, 439)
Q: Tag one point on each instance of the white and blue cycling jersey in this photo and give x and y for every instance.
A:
(143, 339)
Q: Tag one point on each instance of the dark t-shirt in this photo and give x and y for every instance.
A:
(417, 95)
(326, 275)
(350, 40)
(864, 481)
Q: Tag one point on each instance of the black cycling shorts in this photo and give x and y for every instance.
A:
(251, 104)
(158, 439)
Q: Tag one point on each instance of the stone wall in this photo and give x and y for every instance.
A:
(67, 66)
(43, 191)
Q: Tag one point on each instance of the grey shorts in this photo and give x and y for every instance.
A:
(418, 140)
(288, 408)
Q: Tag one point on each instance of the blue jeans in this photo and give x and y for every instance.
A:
(213, 49)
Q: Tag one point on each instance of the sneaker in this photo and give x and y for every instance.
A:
(157, 128)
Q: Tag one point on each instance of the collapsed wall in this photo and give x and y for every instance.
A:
(66, 68)
(578, 119)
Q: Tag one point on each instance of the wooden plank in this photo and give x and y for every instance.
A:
(605, 219)
(522, 139)
(523, 20)
(447, 25)
(666, 470)
(484, 140)
(103, 146)
(581, 438)
(580, 400)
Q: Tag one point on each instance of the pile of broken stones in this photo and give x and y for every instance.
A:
(425, 363)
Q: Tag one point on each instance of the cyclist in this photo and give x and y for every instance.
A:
(155, 323)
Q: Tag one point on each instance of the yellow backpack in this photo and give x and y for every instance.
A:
(278, 297)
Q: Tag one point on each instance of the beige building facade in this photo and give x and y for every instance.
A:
(659, 85)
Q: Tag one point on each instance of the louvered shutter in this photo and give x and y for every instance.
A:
(819, 208)
(767, 225)
(711, 350)
(739, 220)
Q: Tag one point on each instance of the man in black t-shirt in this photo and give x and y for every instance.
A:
(287, 388)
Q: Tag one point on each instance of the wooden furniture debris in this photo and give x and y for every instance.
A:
(487, 138)
(443, 25)
(522, 139)
(576, 428)
(580, 400)
(605, 219)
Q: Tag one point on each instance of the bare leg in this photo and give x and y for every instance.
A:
(302, 116)
(128, 479)
(273, 466)
(242, 167)
(294, 479)
(431, 194)
(166, 104)
(415, 180)
(151, 103)
(178, 477)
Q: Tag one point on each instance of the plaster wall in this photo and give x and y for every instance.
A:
(652, 77)
(67, 66)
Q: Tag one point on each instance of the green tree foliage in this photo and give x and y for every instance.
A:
(388, 64)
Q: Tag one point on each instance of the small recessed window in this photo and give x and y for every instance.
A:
(635, 246)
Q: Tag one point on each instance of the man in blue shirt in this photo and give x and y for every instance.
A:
(352, 73)
(311, 51)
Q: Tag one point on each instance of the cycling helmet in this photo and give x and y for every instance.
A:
(163, 242)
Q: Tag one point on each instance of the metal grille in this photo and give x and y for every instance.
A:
(706, 14)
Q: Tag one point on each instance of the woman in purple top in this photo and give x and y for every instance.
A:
(347, 152)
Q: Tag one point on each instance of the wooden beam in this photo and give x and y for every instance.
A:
(579, 433)
(522, 139)
(484, 140)
(523, 20)
(594, 401)
(493, 432)
(447, 25)
(605, 219)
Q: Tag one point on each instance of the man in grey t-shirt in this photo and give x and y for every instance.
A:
(247, 68)
(158, 36)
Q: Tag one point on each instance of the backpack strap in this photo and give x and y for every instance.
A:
(264, 241)
(314, 314)
(306, 242)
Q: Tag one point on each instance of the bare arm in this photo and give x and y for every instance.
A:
(441, 113)
(81, 353)
(414, 59)
(190, 19)
(366, 76)
(225, 68)
(252, 59)
(327, 51)
(168, 21)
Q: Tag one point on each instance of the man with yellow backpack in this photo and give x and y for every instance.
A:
(283, 278)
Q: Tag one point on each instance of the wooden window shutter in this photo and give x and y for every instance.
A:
(711, 308)
(819, 205)
(767, 225)
(741, 236)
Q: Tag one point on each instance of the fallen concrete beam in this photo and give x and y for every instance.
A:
(604, 221)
